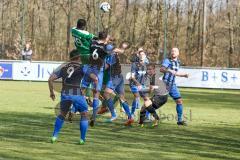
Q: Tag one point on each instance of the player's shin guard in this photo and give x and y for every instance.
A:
(126, 109)
(152, 110)
(111, 107)
(58, 125)
(83, 127)
(135, 105)
(95, 108)
(142, 116)
(179, 109)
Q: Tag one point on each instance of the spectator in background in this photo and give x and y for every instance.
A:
(135, 56)
(27, 52)
(152, 56)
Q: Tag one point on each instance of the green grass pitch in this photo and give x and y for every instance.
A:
(27, 117)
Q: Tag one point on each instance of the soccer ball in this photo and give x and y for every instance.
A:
(105, 6)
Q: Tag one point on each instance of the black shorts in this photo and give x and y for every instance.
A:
(158, 101)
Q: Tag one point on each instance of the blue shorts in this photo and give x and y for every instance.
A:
(86, 81)
(174, 92)
(134, 89)
(116, 84)
(78, 101)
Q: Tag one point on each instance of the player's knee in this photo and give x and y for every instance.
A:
(64, 112)
(107, 93)
(147, 103)
(136, 96)
(96, 94)
(84, 115)
(61, 116)
(83, 91)
(179, 101)
(122, 98)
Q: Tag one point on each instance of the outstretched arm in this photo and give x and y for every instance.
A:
(165, 70)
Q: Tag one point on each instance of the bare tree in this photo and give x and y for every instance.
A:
(230, 30)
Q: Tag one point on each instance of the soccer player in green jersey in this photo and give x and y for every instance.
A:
(82, 40)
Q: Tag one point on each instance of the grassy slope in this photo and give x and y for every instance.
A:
(27, 116)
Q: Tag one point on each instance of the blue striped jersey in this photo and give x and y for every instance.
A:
(139, 72)
(168, 77)
(71, 74)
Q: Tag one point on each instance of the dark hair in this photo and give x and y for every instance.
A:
(102, 35)
(151, 65)
(125, 42)
(81, 23)
(74, 54)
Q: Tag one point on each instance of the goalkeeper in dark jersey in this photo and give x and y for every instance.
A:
(159, 98)
(71, 94)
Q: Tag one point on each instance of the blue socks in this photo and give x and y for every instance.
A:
(179, 109)
(83, 127)
(148, 115)
(95, 107)
(110, 105)
(126, 109)
(135, 104)
(58, 125)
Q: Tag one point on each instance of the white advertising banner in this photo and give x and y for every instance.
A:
(33, 71)
(199, 78)
(210, 78)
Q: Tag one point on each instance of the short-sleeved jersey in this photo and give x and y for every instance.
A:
(139, 71)
(152, 80)
(162, 88)
(168, 77)
(82, 41)
(115, 66)
(98, 54)
(71, 74)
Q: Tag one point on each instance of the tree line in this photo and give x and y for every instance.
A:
(207, 32)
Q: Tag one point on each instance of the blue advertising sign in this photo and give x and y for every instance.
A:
(6, 71)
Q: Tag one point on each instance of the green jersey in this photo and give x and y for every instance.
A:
(82, 41)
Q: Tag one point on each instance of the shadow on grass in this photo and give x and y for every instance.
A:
(114, 141)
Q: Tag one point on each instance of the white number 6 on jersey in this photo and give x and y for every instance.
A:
(95, 54)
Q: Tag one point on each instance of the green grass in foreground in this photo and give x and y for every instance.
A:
(27, 116)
